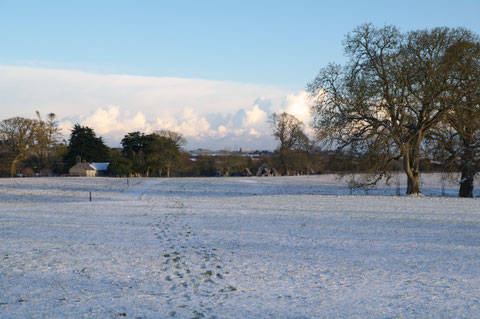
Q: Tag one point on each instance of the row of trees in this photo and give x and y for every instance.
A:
(403, 96)
(161, 154)
(34, 146)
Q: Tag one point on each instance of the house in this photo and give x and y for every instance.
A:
(88, 169)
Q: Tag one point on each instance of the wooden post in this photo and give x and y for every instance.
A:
(443, 179)
(127, 182)
(90, 195)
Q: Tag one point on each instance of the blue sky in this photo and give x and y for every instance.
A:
(279, 44)
(272, 42)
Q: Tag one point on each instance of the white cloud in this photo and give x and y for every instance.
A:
(253, 132)
(206, 112)
(166, 123)
(65, 127)
(222, 130)
(111, 122)
(66, 92)
(255, 117)
(192, 124)
(298, 104)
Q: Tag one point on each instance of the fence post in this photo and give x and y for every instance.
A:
(90, 196)
(443, 180)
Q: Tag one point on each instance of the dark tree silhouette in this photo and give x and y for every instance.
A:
(84, 143)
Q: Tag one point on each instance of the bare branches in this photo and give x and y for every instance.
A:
(394, 90)
(289, 132)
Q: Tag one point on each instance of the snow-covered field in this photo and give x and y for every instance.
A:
(293, 247)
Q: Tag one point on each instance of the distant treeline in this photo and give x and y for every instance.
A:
(33, 147)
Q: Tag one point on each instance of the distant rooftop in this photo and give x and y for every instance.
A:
(100, 166)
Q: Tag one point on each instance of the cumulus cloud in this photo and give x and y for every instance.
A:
(111, 122)
(264, 104)
(255, 117)
(253, 132)
(222, 130)
(65, 126)
(298, 104)
(211, 114)
(192, 124)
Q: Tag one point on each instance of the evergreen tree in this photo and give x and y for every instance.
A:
(85, 144)
(120, 166)
(133, 149)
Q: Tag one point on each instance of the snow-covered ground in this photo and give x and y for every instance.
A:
(293, 247)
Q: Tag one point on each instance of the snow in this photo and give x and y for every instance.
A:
(99, 166)
(280, 247)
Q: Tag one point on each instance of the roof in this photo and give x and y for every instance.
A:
(99, 166)
(85, 166)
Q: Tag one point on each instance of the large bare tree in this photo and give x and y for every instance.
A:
(386, 99)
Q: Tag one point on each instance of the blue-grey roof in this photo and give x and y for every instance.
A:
(99, 166)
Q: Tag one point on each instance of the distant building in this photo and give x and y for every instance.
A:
(88, 169)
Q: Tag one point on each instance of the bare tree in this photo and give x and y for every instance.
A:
(388, 97)
(288, 130)
(47, 136)
(18, 135)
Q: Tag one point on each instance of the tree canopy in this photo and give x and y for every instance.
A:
(153, 153)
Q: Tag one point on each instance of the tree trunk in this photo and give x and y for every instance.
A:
(411, 165)
(468, 174)
(283, 162)
(466, 185)
(413, 184)
(13, 167)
